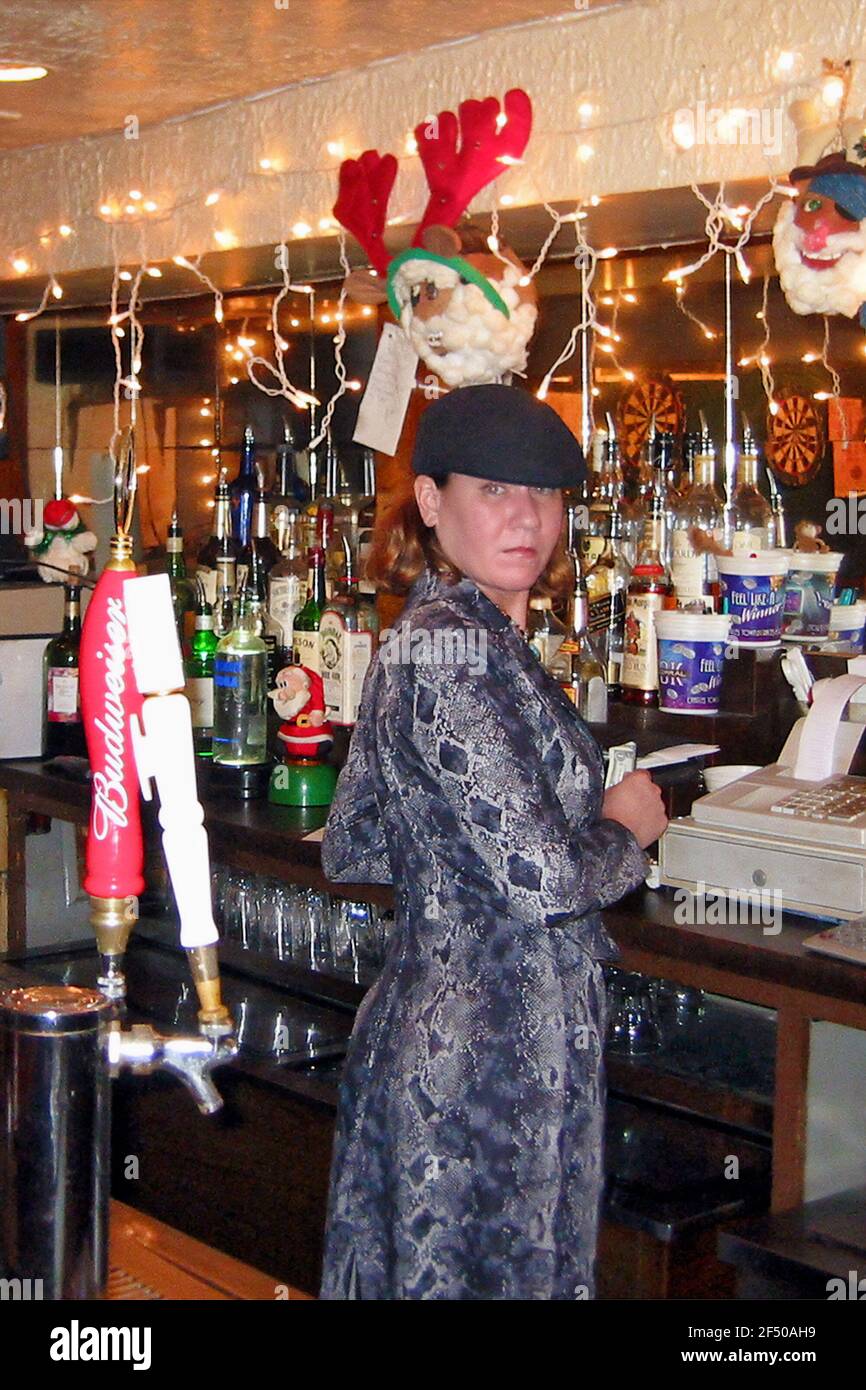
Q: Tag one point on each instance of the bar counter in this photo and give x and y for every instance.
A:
(738, 962)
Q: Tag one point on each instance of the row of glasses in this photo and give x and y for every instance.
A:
(295, 923)
(644, 1012)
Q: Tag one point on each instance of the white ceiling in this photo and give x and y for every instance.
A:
(154, 59)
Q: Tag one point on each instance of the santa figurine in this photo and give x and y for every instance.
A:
(62, 541)
(304, 779)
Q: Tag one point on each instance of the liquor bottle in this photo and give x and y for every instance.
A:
(693, 571)
(64, 732)
(287, 591)
(182, 588)
(618, 581)
(346, 649)
(636, 502)
(584, 679)
(260, 540)
(220, 542)
(199, 672)
(261, 621)
(305, 634)
(611, 481)
(323, 465)
(649, 591)
(545, 635)
(240, 735)
(225, 604)
(750, 520)
(366, 522)
(242, 490)
(597, 449)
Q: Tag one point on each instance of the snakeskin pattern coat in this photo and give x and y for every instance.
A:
(468, 1150)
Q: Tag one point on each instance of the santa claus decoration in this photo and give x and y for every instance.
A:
(819, 240)
(62, 543)
(468, 307)
(304, 778)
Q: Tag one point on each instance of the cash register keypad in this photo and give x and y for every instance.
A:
(842, 802)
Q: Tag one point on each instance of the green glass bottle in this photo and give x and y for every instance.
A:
(182, 587)
(199, 671)
(240, 736)
(305, 635)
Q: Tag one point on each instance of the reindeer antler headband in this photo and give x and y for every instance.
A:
(460, 155)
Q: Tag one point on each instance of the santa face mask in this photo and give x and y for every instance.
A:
(819, 240)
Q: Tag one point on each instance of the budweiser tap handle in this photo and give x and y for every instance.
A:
(109, 699)
(164, 752)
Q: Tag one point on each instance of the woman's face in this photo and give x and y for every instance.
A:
(499, 534)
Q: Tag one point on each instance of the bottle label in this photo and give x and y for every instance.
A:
(63, 700)
(288, 594)
(692, 573)
(199, 692)
(591, 549)
(208, 578)
(640, 658)
(306, 647)
(174, 545)
(750, 540)
(615, 637)
(345, 657)
(546, 645)
(598, 614)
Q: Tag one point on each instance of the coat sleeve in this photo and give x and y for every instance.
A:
(354, 849)
(489, 807)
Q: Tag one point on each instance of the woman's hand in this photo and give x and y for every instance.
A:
(636, 802)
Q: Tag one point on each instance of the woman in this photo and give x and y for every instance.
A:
(468, 1150)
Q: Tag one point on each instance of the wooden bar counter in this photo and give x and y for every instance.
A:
(742, 962)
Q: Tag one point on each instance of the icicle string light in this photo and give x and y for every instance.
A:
(302, 400)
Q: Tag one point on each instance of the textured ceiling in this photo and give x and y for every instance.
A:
(109, 59)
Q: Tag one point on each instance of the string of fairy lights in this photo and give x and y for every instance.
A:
(728, 230)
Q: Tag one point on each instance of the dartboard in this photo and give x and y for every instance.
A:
(795, 440)
(649, 398)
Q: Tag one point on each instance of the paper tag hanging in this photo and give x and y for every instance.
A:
(389, 386)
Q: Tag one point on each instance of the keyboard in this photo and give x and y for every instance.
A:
(846, 942)
(842, 802)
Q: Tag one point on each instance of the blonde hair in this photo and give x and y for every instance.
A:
(404, 546)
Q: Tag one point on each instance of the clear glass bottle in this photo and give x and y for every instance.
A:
(199, 672)
(545, 634)
(649, 592)
(263, 624)
(750, 521)
(584, 678)
(240, 736)
(287, 591)
(291, 494)
(693, 571)
(64, 732)
(226, 593)
(366, 521)
(618, 580)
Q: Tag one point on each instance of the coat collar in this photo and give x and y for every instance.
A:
(465, 595)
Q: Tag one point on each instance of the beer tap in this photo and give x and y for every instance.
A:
(109, 698)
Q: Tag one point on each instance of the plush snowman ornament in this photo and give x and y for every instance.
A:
(62, 541)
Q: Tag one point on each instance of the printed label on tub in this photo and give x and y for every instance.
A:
(690, 675)
(755, 603)
(808, 600)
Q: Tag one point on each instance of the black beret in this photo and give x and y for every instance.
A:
(501, 433)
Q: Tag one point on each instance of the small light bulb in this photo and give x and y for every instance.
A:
(233, 380)
(594, 200)
(218, 312)
(335, 148)
(136, 195)
(204, 410)
(120, 332)
(20, 264)
(832, 90)
(64, 229)
(501, 120)
(105, 210)
(606, 347)
(774, 407)
(353, 385)
(296, 323)
(607, 253)
(821, 395)
(223, 237)
(595, 391)
(204, 443)
(324, 223)
(265, 164)
(154, 272)
(708, 333)
(150, 205)
(211, 199)
(326, 318)
(630, 298)
(585, 153)
(238, 356)
(506, 199)
(764, 360)
(759, 314)
(301, 229)
(586, 110)
(56, 290)
(124, 275)
(809, 357)
(629, 376)
(607, 299)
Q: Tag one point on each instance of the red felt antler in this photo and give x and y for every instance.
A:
(362, 202)
(455, 175)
